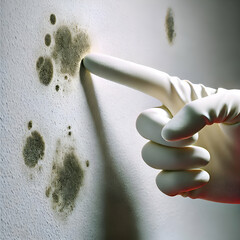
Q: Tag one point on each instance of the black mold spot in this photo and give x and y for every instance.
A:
(33, 149)
(69, 51)
(29, 125)
(57, 87)
(45, 70)
(52, 19)
(55, 197)
(87, 163)
(47, 39)
(169, 25)
(66, 77)
(69, 133)
(47, 192)
(69, 127)
(39, 62)
(66, 183)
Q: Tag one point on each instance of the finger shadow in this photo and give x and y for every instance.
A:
(119, 218)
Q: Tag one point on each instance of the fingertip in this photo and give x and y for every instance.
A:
(173, 183)
(173, 134)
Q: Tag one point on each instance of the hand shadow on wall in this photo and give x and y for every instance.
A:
(119, 217)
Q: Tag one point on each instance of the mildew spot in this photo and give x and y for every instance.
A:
(47, 192)
(67, 178)
(45, 70)
(47, 39)
(33, 150)
(52, 19)
(87, 163)
(29, 125)
(57, 87)
(68, 50)
(39, 62)
(169, 26)
(69, 133)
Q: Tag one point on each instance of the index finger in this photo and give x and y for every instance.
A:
(145, 79)
(171, 91)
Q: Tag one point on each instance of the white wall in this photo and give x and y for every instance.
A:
(118, 192)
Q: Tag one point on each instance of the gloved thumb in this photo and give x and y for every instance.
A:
(222, 107)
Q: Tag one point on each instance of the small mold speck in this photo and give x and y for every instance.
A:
(55, 197)
(47, 39)
(57, 88)
(47, 192)
(66, 77)
(69, 133)
(29, 125)
(69, 127)
(52, 19)
(87, 163)
(169, 25)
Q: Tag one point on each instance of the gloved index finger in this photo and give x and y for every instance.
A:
(171, 91)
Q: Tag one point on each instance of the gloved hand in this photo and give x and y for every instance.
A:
(194, 137)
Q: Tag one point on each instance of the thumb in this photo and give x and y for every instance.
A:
(222, 107)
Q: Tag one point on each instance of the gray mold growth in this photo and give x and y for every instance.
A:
(169, 25)
(45, 70)
(68, 51)
(52, 19)
(66, 181)
(29, 125)
(33, 150)
(47, 40)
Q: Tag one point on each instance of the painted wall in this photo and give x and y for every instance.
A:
(70, 154)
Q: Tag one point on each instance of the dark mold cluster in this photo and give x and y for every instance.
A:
(33, 150)
(68, 50)
(47, 40)
(45, 70)
(66, 182)
(52, 19)
(169, 25)
(67, 53)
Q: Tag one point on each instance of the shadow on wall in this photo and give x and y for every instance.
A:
(119, 217)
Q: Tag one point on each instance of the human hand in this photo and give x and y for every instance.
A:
(194, 137)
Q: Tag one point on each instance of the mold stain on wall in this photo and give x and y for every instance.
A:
(47, 40)
(169, 26)
(68, 50)
(67, 177)
(29, 125)
(52, 19)
(45, 70)
(70, 46)
(33, 150)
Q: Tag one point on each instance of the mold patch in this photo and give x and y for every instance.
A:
(29, 125)
(169, 26)
(52, 19)
(47, 40)
(67, 179)
(33, 150)
(45, 70)
(68, 51)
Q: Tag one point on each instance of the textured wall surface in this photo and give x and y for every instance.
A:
(71, 166)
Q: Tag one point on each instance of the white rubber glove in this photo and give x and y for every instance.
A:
(205, 166)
